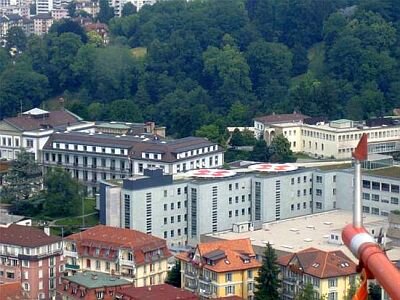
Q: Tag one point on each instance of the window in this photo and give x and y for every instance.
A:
(366, 196)
(10, 275)
(394, 200)
(172, 219)
(250, 274)
(165, 221)
(178, 191)
(165, 193)
(97, 264)
(165, 234)
(165, 207)
(229, 290)
(376, 185)
(319, 179)
(385, 187)
(230, 214)
(332, 282)
(228, 277)
(26, 286)
(394, 188)
(333, 296)
(375, 211)
(375, 197)
(366, 209)
(29, 143)
(366, 184)
(318, 192)
(318, 205)
(179, 218)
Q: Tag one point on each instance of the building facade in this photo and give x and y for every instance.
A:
(323, 139)
(220, 269)
(330, 273)
(32, 129)
(91, 157)
(31, 257)
(181, 209)
(129, 254)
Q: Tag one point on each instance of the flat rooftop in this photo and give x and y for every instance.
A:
(296, 234)
(92, 280)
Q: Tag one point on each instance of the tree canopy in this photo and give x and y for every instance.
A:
(192, 64)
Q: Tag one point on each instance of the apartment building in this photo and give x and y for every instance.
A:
(220, 269)
(42, 23)
(91, 157)
(321, 138)
(330, 273)
(31, 257)
(128, 254)
(32, 129)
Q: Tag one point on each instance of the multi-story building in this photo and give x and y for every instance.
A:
(129, 254)
(182, 208)
(32, 129)
(220, 268)
(42, 23)
(118, 5)
(330, 273)
(8, 21)
(319, 138)
(31, 257)
(91, 157)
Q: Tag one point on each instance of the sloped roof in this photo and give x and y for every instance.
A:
(156, 292)
(233, 258)
(281, 118)
(102, 236)
(318, 263)
(26, 236)
(32, 120)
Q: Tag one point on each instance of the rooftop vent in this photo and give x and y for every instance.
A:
(315, 265)
(328, 223)
(308, 240)
(294, 229)
(287, 246)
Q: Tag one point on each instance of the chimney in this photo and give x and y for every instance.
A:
(46, 230)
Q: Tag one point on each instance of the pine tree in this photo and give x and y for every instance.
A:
(267, 282)
(23, 180)
(307, 293)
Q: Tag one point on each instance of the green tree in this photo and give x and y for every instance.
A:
(23, 180)
(280, 150)
(63, 194)
(267, 283)
(106, 12)
(4, 59)
(95, 38)
(211, 132)
(128, 9)
(67, 25)
(16, 38)
(307, 293)
(71, 7)
(351, 291)
(174, 275)
(124, 110)
(236, 138)
(260, 151)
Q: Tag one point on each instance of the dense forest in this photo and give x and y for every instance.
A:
(199, 66)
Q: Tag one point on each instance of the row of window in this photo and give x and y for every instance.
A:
(384, 187)
(8, 142)
(86, 148)
(243, 212)
(198, 164)
(375, 197)
(298, 206)
(172, 205)
(230, 201)
(197, 151)
(172, 219)
(178, 232)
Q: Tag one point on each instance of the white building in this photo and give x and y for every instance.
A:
(181, 209)
(94, 156)
(337, 139)
(32, 129)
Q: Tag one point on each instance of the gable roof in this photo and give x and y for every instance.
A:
(107, 237)
(26, 236)
(281, 118)
(226, 255)
(318, 263)
(35, 119)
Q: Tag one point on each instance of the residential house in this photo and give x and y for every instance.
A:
(31, 257)
(129, 254)
(331, 273)
(220, 268)
(42, 23)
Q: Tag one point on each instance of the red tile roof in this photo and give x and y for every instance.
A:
(55, 118)
(11, 291)
(26, 236)
(156, 292)
(281, 118)
(106, 237)
(319, 263)
(234, 253)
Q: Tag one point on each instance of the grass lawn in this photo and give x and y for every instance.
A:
(139, 52)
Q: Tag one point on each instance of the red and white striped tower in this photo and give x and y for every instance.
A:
(372, 259)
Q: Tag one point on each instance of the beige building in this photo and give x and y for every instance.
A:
(330, 273)
(129, 254)
(220, 269)
(336, 139)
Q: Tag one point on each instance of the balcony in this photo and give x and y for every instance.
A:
(70, 253)
(190, 274)
(192, 285)
(72, 267)
(125, 262)
(205, 292)
(204, 279)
